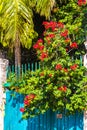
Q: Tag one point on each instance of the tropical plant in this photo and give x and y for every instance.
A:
(17, 23)
(60, 83)
(17, 26)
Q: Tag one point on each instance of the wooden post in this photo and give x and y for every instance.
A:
(3, 76)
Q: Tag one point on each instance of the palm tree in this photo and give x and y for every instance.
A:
(17, 25)
(17, 22)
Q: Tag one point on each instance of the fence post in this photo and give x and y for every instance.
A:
(3, 76)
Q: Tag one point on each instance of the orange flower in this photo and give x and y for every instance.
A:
(73, 67)
(63, 88)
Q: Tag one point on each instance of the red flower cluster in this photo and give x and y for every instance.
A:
(58, 67)
(53, 25)
(60, 25)
(43, 56)
(22, 109)
(74, 67)
(50, 24)
(74, 45)
(48, 37)
(64, 34)
(27, 102)
(81, 2)
(39, 45)
(30, 96)
(63, 88)
(51, 35)
(28, 99)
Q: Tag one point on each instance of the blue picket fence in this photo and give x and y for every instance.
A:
(47, 121)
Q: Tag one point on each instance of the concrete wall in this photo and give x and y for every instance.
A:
(3, 76)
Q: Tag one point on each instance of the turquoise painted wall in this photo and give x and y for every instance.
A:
(48, 121)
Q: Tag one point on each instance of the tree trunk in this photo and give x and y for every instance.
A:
(17, 55)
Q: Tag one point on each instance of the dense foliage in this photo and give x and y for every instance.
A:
(60, 83)
(73, 13)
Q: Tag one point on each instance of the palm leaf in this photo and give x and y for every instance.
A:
(44, 7)
(16, 14)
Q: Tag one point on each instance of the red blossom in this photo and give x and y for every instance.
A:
(74, 45)
(41, 47)
(50, 24)
(81, 2)
(60, 25)
(65, 70)
(30, 97)
(27, 102)
(40, 41)
(22, 109)
(53, 25)
(36, 46)
(63, 88)
(51, 35)
(74, 67)
(58, 67)
(64, 34)
(67, 40)
(45, 23)
(43, 55)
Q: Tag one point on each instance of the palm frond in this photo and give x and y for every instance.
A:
(16, 14)
(44, 7)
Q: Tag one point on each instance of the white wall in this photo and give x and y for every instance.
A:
(85, 113)
(3, 69)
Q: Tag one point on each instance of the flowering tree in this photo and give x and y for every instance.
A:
(60, 83)
(73, 14)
